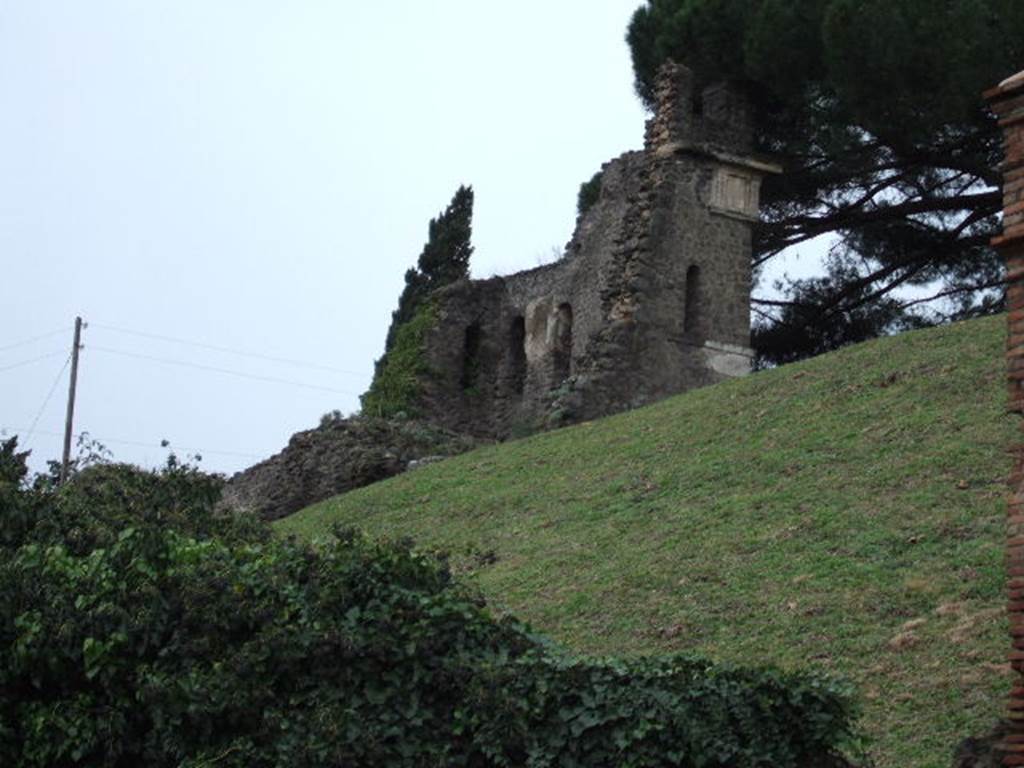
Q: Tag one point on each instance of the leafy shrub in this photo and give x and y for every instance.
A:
(553, 709)
(164, 650)
(173, 641)
(98, 502)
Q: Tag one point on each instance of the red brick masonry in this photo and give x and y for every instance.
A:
(1007, 101)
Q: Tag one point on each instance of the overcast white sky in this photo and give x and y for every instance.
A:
(257, 175)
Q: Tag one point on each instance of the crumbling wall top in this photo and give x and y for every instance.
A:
(719, 117)
(674, 112)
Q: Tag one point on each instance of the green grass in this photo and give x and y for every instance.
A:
(844, 514)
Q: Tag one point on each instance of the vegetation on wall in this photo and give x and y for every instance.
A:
(397, 381)
(443, 261)
(875, 110)
(589, 194)
(139, 627)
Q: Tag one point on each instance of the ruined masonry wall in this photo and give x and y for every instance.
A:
(651, 298)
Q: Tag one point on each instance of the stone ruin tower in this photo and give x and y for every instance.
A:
(651, 298)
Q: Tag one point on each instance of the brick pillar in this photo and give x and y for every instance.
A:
(1007, 101)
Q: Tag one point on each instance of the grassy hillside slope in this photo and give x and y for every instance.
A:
(844, 513)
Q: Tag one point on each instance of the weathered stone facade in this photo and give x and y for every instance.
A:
(651, 298)
(1007, 101)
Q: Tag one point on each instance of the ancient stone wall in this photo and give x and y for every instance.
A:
(651, 298)
(1008, 102)
(338, 456)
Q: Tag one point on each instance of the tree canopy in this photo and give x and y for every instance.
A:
(874, 108)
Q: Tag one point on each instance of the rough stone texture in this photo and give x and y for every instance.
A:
(338, 456)
(651, 298)
(1007, 101)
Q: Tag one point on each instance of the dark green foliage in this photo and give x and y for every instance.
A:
(98, 502)
(162, 651)
(546, 708)
(168, 643)
(19, 508)
(590, 193)
(13, 469)
(875, 110)
(396, 383)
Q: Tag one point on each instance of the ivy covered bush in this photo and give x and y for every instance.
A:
(167, 636)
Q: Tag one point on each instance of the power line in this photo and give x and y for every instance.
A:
(40, 337)
(33, 360)
(49, 394)
(229, 350)
(137, 443)
(215, 369)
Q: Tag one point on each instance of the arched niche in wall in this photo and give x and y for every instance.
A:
(517, 355)
(561, 348)
(694, 322)
(471, 357)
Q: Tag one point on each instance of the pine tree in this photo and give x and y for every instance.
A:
(874, 108)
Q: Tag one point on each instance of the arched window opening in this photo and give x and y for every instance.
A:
(471, 357)
(561, 352)
(517, 355)
(693, 320)
(697, 105)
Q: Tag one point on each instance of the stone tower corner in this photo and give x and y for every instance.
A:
(719, 117)
(674, 121)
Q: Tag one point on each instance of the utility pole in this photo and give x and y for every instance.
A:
(65, 463)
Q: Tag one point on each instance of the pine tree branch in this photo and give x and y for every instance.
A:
(803, 228)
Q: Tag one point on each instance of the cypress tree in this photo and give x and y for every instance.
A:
(444, 260)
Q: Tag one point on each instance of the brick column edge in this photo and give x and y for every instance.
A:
(1007, 102)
